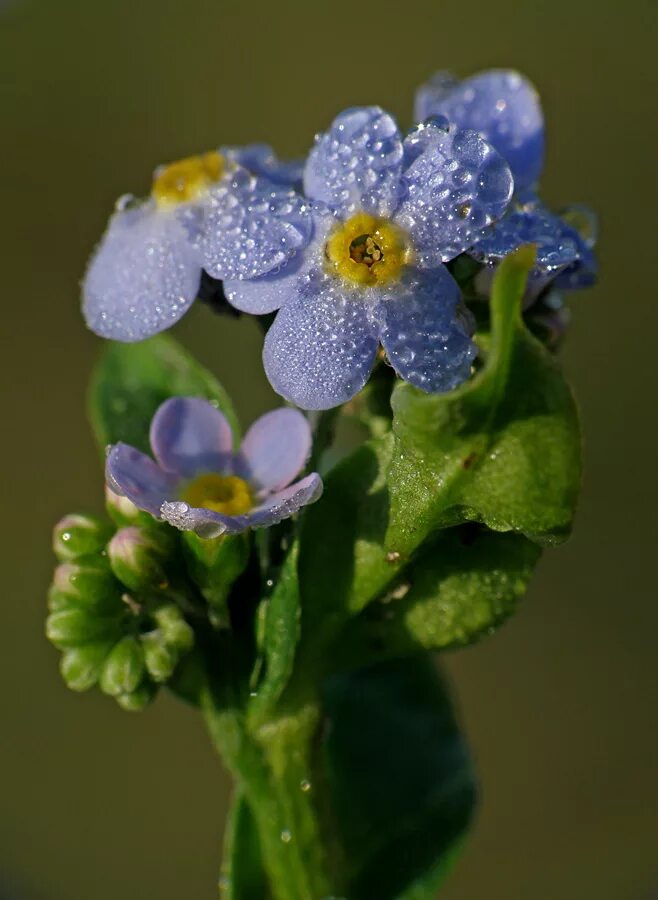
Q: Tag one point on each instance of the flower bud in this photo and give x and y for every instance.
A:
(124, 667)
(78, 535)
(76, 627)
(81, 666)
(136, 558)
(175, 630)
(159, 656)
(121, 510)
(87, 585)
(139, 698)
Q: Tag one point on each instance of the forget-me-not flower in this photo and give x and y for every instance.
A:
(504, 107)
(198, 483)
(387, 212)
(146, 271)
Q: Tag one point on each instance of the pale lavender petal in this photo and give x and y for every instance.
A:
(422, 332)
(456, 186)
(209, 524)
(134, 475)
(143, 276)
(356, 164)
(252, 226)
(287, 502)
(321, 347)
(190, 436)
(275, 449)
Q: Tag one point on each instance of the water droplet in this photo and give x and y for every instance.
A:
(286, 835)
(305, 785)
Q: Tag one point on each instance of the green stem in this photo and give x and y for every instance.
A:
(272, 768)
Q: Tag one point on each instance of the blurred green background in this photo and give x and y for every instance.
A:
(560, 706)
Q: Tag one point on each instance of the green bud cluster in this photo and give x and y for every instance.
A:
(112, 612)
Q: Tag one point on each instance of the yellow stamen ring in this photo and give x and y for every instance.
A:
(182, 181)
(367, 250)
(226, 494)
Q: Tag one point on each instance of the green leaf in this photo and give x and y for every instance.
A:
(280, 635)
(243, 877)
(132, 380)
(460, 587)
(338, 576)
(503, 449)
(399, 777)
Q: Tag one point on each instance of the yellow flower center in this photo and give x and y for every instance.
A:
(182, 181)
(367, 250)
(225, 494)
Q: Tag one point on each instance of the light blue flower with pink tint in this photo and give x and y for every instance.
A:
(387, 212)
(146, 271)
(197, 482)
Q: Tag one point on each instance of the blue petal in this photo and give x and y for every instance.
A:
(425, 339)
(584, 271)
(260, 159)
(274, 449)
(134, 475)
(456, 186)
(251, 227)
(190, 436)
(143, 276)
(259, 296)
(356, 165)
(502, 106)
(558, 245)
(321, 347)
(209, 524)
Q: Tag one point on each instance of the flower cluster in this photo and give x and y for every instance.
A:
(350, 246)
(355, 250)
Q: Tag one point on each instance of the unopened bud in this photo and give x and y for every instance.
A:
(87, 585)
(123, 511)
(76, 627)
(159, 656)
(175, 630)
(124, 667)
(139, 698)
(81, 666)
(78, 535)
(137, 558)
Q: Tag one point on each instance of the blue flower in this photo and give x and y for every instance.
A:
(145, 273)
(504, 108)
(387, 212)
(198, 483)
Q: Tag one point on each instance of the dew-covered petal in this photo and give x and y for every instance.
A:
(502, 105)
(134, 475)
(286, 502)
(274, 449)
(260, 159)
(455, 184)
(423, 333)
(558, 245)
(259, 296)
(251, 226)
(143, 276)
(584, 271)
(356, 164)
(320, 349)
(209, 524)
(189, 436)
